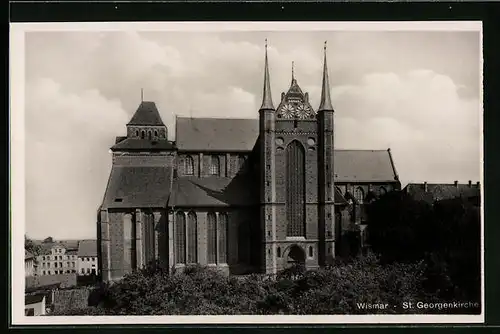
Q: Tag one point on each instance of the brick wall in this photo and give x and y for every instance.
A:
(71, 299)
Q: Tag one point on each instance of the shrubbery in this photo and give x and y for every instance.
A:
(336, 290)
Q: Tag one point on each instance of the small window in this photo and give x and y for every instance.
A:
(137, 133)
(278, 251)
(43, 272)
(156, 133)
(142, 134)
(83, 271)
(149, 135)
(311, 251)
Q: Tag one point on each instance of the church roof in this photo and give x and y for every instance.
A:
(146, 114)
(226, 135)
(213, 191)
(133, 144)
(138, 187)
(364, 166)
(216, 134)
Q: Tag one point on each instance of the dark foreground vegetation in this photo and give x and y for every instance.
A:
(422, 255)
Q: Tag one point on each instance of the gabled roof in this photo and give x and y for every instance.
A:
(441, 191)
(138, 186)
(364, 166)
(216, 134)
(87, 248)
(213, 191)
(136, 144)
(146, 114)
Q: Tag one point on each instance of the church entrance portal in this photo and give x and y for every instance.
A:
(296, 256)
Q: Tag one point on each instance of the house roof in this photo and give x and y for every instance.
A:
(138, 186)
(213, 191)
(33, 299)
(146, 114)
(441, 191)
(87, 248)
(137, 144)
(216, 134)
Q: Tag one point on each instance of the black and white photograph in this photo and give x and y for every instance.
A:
(326, 172)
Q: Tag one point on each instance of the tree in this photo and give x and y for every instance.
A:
(31, 246)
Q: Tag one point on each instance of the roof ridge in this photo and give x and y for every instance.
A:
(220, 118)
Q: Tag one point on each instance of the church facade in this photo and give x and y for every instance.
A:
(242, 195)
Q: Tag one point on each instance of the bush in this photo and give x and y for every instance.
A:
(336, 290)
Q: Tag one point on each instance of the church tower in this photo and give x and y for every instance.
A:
(326, 171)
(267, 175)
(297, 196)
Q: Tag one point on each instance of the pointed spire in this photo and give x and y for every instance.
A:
(142, 95)
(326, 103)
(267, 101)
(293, 74)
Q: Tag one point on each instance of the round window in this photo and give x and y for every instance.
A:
(279, 141)
(311, 141)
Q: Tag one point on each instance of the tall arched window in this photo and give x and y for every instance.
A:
(214, 165)
(149, 135)
(142, 134)
(359, 194)
(188, 165)
(222, 238)
(156, 133)
(211, 238)
(192, 229)
(278, 252)
(295, 189)
(137, 133)
(128, 242)
(180, 238)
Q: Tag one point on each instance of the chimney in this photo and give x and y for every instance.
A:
(470, 183)
(425, 186)
(456, 183)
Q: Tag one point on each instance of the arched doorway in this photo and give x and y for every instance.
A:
(296, 256)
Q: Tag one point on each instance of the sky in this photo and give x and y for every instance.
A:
(415, 92)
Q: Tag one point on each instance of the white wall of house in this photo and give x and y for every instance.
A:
(57, 262)
(87, 265)
(29, 267)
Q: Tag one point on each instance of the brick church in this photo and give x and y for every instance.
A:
(242, 195)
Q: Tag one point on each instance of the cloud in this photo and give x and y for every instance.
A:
(408, 92)
(432, 131)
(67, 161)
